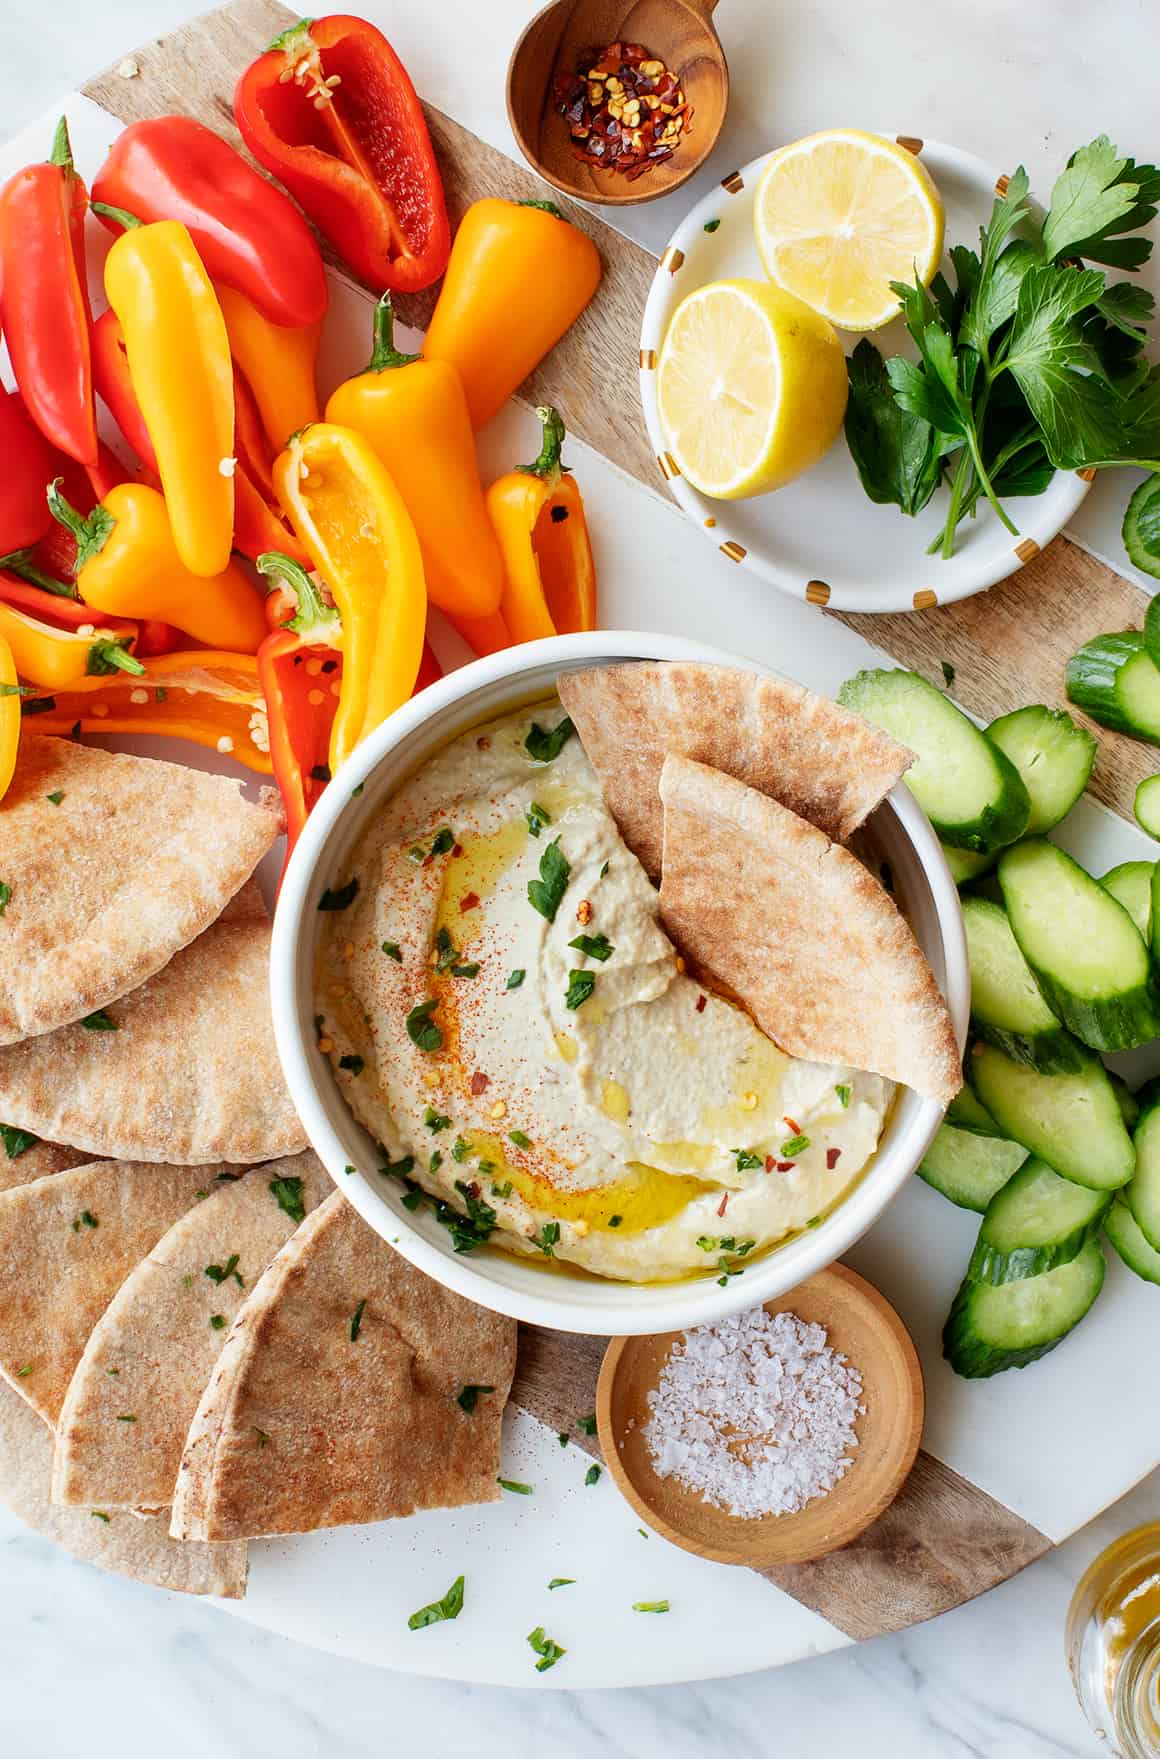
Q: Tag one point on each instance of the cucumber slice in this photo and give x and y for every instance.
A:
(967, 1112)
(1146, 806)
(992, 1327)
(1152, 614)
(1072, 1122)
(1053, 756)
(968, 1168)
(967, 864)
(1084, 948)
(1142, 1194)
(1125, 1234)
(1126, 1100)
(970, 790)
(1036, 1221)
(1007, 1005)
(1114, 680)
(1141, 529)
(1131, 885)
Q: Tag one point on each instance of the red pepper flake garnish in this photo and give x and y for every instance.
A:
(783, 1166)
(479, 1081)
(832, 1157)
(625, 110)
(469, 901)
(456, 849)
(721, 1205)
(700, 1004)
(770, 1163)
(793, 1124)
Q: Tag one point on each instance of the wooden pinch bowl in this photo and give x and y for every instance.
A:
(678, 32)
(863, 1327)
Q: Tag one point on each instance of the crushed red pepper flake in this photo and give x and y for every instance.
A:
(721, 1205)
(625, 110)
(783, 1166)
(700, 1004)
(832, 1157)
(770, 1163)
(793, 1124)
(469, 901)
(479, 1082)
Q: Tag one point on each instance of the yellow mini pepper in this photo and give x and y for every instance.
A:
(179, 362)
(538, 518)
(59, 659)
(341, 501)
(128, 565)
(414, 414)
(9, 716)
(277, 362)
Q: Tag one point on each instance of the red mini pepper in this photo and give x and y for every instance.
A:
(297, 665)
(44, 298)
(330, 111)
(247, 232)
(27, 469)
(50, 560)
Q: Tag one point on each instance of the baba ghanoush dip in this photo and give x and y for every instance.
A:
(507, 1017)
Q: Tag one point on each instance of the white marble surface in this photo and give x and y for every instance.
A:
(96, 1666)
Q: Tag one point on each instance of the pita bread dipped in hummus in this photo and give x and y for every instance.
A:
(507, 1017)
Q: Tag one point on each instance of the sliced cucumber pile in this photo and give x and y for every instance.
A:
(1126, 1235)
(1084, 948)
(1115, 680)
(970, 790)
(1146, 806)
(1131, 885)
(1036, 1221)
(993, 1327)
(1007, 1005)
(1073, 1122)
(967, 1112)
(1126, 1100)
(1142, 1193)
(1142, 526)
(967, 864)
(1053, 756)
(968, 1168)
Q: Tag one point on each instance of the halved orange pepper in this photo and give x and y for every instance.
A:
(277, 362)
(9, 716)
(55, 658)
(343, 504)
(483, 635)
(538, 518)
(414, 414)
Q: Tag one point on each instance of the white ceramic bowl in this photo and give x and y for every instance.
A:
(495, 1279)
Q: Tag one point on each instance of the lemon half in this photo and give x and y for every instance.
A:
(751, 388)
(840, 215)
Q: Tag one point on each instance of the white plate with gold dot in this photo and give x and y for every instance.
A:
(821, 538)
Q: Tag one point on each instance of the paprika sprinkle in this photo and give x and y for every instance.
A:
(625, 110)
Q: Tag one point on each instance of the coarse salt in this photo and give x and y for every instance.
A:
(757, 1414)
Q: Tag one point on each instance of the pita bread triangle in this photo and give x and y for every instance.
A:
(114, 863)
(154, 1348)
(67, 1243)
(820, 760)
(113, 1539)
(35, 1161)
(183, 1070)
(336, 1394)
(808, 940)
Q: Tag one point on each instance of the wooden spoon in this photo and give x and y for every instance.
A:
(678, 32)
(863, 1326)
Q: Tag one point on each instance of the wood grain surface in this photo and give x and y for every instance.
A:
(943, 1540)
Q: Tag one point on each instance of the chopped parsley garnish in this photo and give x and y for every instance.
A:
(85, 1219)
(587, 1424)
(562, 1582)
(470, 1230)
(421, 1029)
(449, 1607)
(596, 946)
(127, 1417)
(516, 1488)
(537, 816)
(356, 1320)
(706, 1244)
(99, 1021)
(398, 1169)
(592, 1476)
(22, 1372)
(348, 1169)
(547, 1237)
(580, 987)
(414, 1197)
(650, 1606)
(542, 745)
(100, 1515)
(436, 1160)
(263, 1438)
(16, 1142)
(614, 1221)
(515, 979)
(357, 790)
(460, 1149)
(843, 1093)
(504, 1190)
(469, 970)
(221, 1273)
(288, 1193)
(746, 1159)
(417, 854)
(217, 1321)
(393, 951)
(5, 896)
(948, 673)
(545, 894)
(469, 1397)
(435, 1121)
(56, 796)
(520, 1138)
(604, 870)
(563, 1438)
(548, 1652)
(352, 1063)
(339, 897)
(444, 841)
(710, 225)
(445, 950)
(795, 1145)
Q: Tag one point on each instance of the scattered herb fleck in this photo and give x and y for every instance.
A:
(592, 1475)
(587, 1424)
(614, 1221)
(99, 1515)
(449, 1607)
(22, 1372)
(515, 979)
(469, 970)
(56, 796)
(546, 893)
(469, 1397)
(543, 745)
(99, 1021)
(562, 1582)
(444, 841)
(843, 1093)
(217, 1321)
(356, 1320)
(263, 1438)
(221, 1273)
(516, 1488)
(127, 1417)
(547, 1238)
(16, 1142)
(548, 1652)
(746, 1159)
(288, 1193)
(948, 673)
(520, 1139)
(796, 1145)
(537, 816)
(596, 946)
(354, 1064)
(339, 897)
(421, 1029)
(470, 1230)
(436, 1160)
(435, 1121)
(5, 896)
(460, 1149)
(650, 1606)
(393, 951)
(580, 987)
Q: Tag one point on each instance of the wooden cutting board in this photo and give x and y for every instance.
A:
(943, 1540)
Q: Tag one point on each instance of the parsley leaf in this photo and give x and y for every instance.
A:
(356, 1320)
(514, 1485)
(547, 1237)
(421, 1029)
(746, 1159)
(562, 1582)
(515, 979)
(444, 841)
(544, 746)
(897, 453)
(587, 1424)
(580, 987)
(537, 816)
(596, 946)
(449, 1607)
(99, 1021)
(435, 1121)
(1095, 201)
(339, 897)
(546, 893)
(5, 896)
(470, 1230)
(843, 1092)
(795, 1145)
(288, 1193)
(469, 1397)
(548, 1651)
(221, 1273)
(592, 1476)
(16, 1142)
(392, 950)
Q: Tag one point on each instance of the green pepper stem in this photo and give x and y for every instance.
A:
(20, 563)
(61, 153)
(548, 207)
(548, 463)
(313, 612)
(292, 36)
(91, 534)
(112, 655)
(384, 353)
(121, 215)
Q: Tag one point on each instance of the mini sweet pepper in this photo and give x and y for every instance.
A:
(538, 518)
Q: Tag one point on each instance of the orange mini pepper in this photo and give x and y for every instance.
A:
(538, 518)
(277, 362)
(518, 277)
(9, 716)
(56, 658)
(414, 414)
(343, 504)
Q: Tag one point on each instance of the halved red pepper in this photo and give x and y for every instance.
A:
(24, 514)
(330, 110)
(44, 298)
(50, 560)
(247, 232)
(62, 613)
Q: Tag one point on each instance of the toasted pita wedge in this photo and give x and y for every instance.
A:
(189, 1074)
(35, 1161)
(112, 1539)
(305, 1426)
(67, 1243)
(822, 761)
(133, 861)
(153, 1350)
(802, 934)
